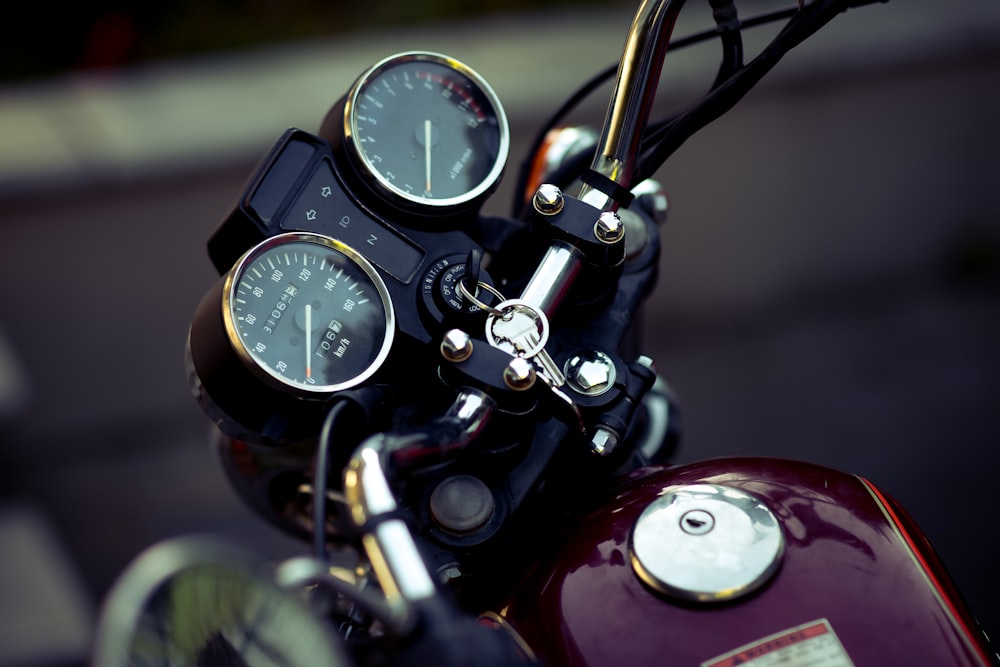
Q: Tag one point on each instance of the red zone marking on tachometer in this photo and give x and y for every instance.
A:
(457, 89)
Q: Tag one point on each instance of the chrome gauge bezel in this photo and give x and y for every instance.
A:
(263, 370)
(372, 174)
(179, 595)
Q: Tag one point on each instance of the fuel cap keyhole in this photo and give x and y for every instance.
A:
(697, 522)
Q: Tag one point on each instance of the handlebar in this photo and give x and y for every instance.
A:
(618, 149)
(392, 550)
(632, 99)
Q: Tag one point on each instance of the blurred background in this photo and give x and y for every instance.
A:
(830, 275)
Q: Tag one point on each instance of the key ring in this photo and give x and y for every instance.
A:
(476, 302)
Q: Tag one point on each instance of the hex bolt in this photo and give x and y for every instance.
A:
(591, 373)
(519, 374)
(604, 441)
(548, 199)
(658, 206)
(456, 346)
(609, 228)
(652, 197)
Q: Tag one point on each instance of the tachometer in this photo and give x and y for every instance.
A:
(425, 130)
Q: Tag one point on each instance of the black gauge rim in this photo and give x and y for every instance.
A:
(264, 371)
(375, 178)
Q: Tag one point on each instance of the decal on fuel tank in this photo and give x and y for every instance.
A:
(814, 644)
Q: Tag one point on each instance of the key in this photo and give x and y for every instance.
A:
(522, 331)
(516, 330)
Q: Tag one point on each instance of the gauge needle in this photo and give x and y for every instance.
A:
(427, 151)
(309, 329)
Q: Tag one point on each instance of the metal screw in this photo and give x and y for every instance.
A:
(609, 228)
(603, 442)
(591, 373)
(519, 374)
(548, 199)
(456, 346)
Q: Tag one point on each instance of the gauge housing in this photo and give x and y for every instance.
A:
(425, 133)
(259, 271)
(244, 394)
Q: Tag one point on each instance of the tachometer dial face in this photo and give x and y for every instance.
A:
(426, 130)
(308, 313)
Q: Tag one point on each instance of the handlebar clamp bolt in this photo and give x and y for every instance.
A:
(548, 199)
(609, 228)
(456, 346)
(591, 373)
(520, 374)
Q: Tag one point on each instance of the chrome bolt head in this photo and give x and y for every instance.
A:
(520, 374)
(456, 346)
(652, 196)
(548, 199)
(603, 442)
(591, 373)
(609, 228)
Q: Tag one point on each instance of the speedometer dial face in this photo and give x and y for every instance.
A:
(426, 131)
(308, 313)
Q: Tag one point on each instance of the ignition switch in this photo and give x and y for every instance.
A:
(441, 296)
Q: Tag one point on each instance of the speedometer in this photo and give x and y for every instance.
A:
(308, 312)
(425, 130)
(299, 317)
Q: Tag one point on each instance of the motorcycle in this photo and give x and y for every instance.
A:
(453, 411)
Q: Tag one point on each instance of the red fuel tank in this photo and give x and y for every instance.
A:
(743, 561)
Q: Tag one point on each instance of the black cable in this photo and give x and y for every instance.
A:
(581, 94)
(732, 53)
(355, 410)
(671, 135)
(727, 22)
(663, 138)
(321, 468)
(655, 131)
(574, 100)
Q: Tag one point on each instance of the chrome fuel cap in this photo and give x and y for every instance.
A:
(706, 542)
